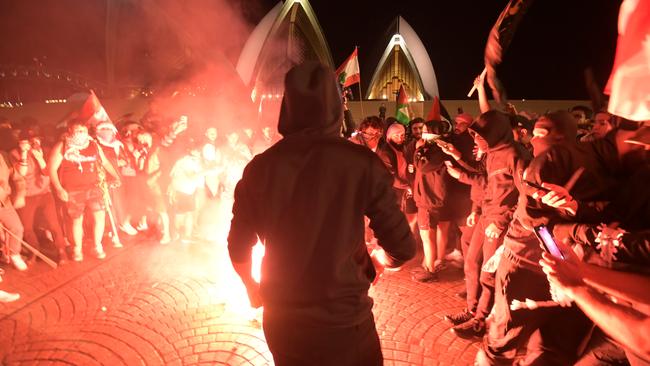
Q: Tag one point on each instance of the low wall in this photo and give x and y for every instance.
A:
(116, 108)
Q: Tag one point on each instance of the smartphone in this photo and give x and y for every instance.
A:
(427, 136)
(548, 243)
(536, 186)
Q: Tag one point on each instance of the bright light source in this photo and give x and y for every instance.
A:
(256, 267)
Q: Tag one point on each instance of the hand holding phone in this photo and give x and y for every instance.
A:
(547, 241)
(427, 136)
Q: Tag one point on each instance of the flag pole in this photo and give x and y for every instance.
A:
(363, 113)
(482, 75)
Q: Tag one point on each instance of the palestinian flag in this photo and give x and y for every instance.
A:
(403, 113)
(438, 112)
(434, 112)
(349, 73)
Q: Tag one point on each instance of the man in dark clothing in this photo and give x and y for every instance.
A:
(475, 176)
(392, 155)
(519, 277)
(505, 162)
(305, 198)
(429, 192)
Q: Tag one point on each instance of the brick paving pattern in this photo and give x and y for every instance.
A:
(148, 304)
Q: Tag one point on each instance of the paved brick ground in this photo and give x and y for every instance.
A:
(152, 305)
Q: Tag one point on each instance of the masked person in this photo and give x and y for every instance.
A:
(559, 331)
(429, 193)
(9, 219)
(186, 181)
(149, 179)
(29, 161)
(505, 161)
(115, 152)
(306, 197)
(74, 171)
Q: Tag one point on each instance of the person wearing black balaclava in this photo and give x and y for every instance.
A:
(305, 198)
(505, 161)
(519, 277)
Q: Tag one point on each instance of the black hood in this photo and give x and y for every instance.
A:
(494, 127)
(561, 128)
(312, 102)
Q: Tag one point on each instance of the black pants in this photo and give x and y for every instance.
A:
(293, 344)
(479, 284)
(44, 205)
(558, 331)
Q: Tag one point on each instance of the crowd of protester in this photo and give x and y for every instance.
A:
(488, 184)
(67, 192)
(480, 185)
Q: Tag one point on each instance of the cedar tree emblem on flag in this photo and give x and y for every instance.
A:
(349, 73)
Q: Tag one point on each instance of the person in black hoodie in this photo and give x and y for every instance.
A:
(305, 198)
(429, 192)
(505, 162)
(559, 331)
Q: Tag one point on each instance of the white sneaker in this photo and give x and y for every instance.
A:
(142, 226)
(166, 239)
(455, 255)
(18, 262)
(8, 297)
(99, 250)
(128, 229)
(78, 255)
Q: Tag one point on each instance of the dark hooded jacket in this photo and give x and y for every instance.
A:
(557, 164)
(430, 183)
(476, 179)
(505, 163)
(306, 198)
(395, 161)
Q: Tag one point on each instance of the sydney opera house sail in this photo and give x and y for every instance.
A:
(405, 61)
(289, 34)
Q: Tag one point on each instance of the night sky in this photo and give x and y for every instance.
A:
(556, 41)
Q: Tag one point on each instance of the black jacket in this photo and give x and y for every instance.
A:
(429, 186)
(505, 163)
(557, 165)
(306, 198)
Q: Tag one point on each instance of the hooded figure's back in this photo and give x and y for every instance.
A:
(306, 197)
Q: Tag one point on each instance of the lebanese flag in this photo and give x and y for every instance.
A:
(349, 73)
(629, 83)
(403, 113)
(93, 112)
